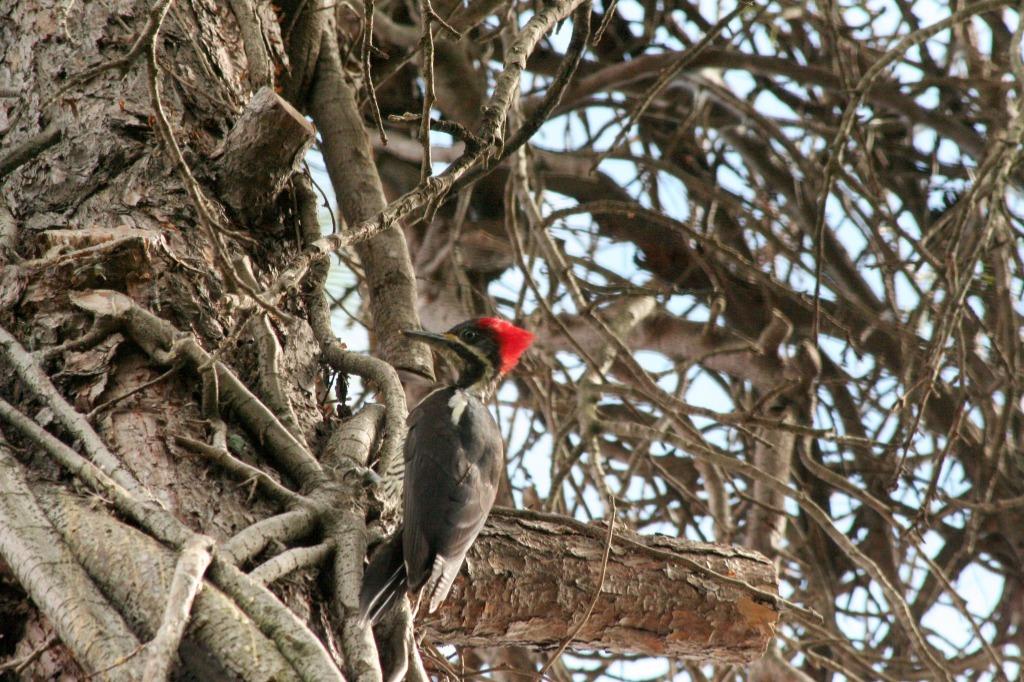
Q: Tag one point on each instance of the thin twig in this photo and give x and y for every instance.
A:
(559, 84)
(242, 470)
(437, 187)
(17, 665)
(429, 96)
(669, 74)
(837, 149)
(453, 128)
(138, 389)
(367, 72)
(606, 20)
(326, 204)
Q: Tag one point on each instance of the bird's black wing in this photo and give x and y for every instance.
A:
(451, 479)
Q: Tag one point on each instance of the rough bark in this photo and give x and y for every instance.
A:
(530, 577)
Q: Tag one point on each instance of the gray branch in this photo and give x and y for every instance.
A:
(52, 576)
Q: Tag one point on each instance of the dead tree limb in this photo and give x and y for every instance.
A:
(261, 152)
(532, 573)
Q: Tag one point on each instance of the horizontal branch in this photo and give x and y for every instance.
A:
(531, 575)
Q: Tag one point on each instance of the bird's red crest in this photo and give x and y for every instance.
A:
(512, 340)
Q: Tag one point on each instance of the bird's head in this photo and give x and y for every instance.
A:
(481, 350)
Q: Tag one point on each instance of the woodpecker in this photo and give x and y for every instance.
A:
(453, 461)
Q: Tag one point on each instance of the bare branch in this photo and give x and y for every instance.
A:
(188, 579)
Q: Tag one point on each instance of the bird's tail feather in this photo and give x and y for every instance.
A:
(384, 579)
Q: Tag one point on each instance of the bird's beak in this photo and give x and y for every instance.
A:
(441, 340)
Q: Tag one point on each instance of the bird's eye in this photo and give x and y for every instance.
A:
(469, 334)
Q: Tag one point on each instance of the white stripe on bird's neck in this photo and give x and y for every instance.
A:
(481, 390)
(458, 403)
